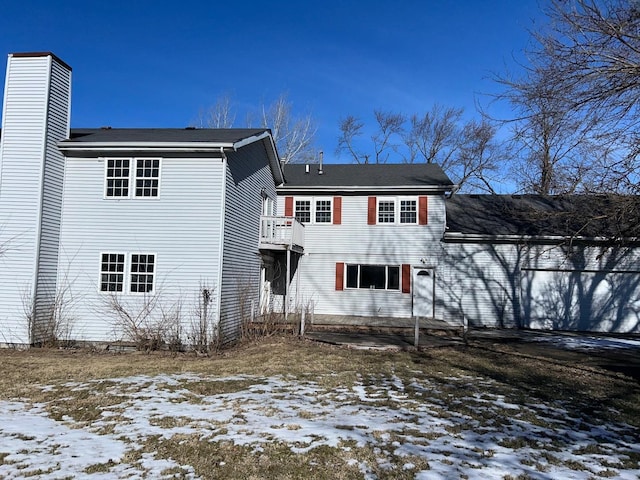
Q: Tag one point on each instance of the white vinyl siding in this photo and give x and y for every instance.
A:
(181, 229)
(354, 242)
(35, 118)
(248, 177)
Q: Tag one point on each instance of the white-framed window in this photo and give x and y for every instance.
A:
(147, 177)
(314, 209)
(323, 210)
(386, 210)
(132, 178)
(117, 177)
(112, 272)
(142, 272)
(408, 210)
(303, 211)
(377, 277)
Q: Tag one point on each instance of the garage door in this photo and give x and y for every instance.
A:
(581, 300)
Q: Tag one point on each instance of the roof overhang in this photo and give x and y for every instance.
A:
(458, 237)
(365, 189)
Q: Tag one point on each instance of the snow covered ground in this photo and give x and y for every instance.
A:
(456, 428)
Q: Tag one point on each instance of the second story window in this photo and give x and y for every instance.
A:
(132, 177)
(323, 211)
(147, 174)
(303, 211)
(386, 211)
(408, 211)
(118, 172)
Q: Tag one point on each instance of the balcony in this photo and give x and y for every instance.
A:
(281, 233)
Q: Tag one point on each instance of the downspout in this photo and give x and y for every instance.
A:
(223, 210)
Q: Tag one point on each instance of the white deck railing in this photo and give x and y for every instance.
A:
(281, 231)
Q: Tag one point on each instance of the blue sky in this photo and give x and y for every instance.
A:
(145, 63)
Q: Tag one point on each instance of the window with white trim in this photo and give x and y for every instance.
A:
(142, 272)
(386, 211)
(408, 211)
(117, 177)
(132, 177)
(323, 210)
(303, 211)
(112, 272)
(377, 277)
(147, 176)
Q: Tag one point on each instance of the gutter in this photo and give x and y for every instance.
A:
(457, 237)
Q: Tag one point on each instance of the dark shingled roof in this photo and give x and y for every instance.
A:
(143, 135)
(366, 175)
(609, 216)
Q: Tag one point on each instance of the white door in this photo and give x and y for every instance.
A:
(423, 285)
(265, 289)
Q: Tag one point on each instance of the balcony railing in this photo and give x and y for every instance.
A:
(280, 233)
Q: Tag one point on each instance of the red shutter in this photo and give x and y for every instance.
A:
(337, 210)
(422, 211)
(288, 206)
(371, 211)
(339, 276)
(406, 278)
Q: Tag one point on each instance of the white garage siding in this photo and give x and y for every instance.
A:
(595, 301)
(587, 288)
(181, 227)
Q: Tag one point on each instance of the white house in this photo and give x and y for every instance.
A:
(109, 230)
(129, 234)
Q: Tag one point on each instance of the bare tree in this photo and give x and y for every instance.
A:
(467, 151)
(350, 129)
(294, 135)
(220, 115)
(583, 90)
(433, 137)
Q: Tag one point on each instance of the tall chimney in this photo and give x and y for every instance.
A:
(37, 103)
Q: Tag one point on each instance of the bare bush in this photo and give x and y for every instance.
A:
(204, 335)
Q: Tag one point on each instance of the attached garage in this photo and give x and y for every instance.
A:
(597, 301)
(540, 262)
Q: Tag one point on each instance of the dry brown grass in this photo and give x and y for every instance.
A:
(587, 391)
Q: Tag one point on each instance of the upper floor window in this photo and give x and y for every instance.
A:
(408, 211)
(323, 211)
(120, 174)
(118, 177)
(147, 175)
(386, 211)
(303, 211)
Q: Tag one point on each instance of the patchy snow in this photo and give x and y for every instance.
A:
(466, 432)
(587, 342)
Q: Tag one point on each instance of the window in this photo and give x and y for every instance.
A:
(132, 177)
(142, 267)
(117, 177)
(112, 272)
(408, 211)
(386, 211)
(303, 211)
(377, 277)
(147, 174)
(323, 211)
